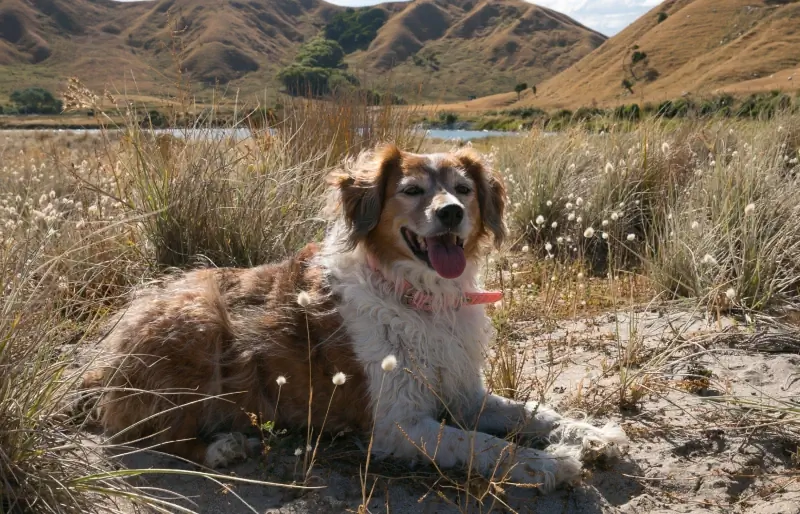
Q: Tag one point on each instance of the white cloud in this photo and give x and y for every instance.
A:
(605, 16)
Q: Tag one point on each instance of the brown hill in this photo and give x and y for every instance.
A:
(468, 48)
(685, 47)
(445, 49)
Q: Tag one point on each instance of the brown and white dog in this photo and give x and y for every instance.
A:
(397, 275)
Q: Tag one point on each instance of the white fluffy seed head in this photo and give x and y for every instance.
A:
(631, 237)
(548, 246)
(731, 294)
(540, 220)
(339, 379)
(588, 233)
(281, 381)
(750, 208)
(526, 249)
(303, 299)
(298, 452)
(389, 363)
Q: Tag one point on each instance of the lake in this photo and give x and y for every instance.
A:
(243, 133)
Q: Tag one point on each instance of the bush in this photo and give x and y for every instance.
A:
(662, 16)
(519, 88)
(354, 29)
(525, 112)
(299, 80)
(321, 53)
(678, 108)
(448, 118)
(630, 112)
(36, 100)
(637, 57)
(764, 106)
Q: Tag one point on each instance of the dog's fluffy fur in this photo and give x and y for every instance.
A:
(191, 360)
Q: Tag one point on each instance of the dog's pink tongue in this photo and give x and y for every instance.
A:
(446, 257)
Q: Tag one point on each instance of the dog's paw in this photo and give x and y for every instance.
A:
(606, 443)
(593, 444)
(545, 470)
(226, 449)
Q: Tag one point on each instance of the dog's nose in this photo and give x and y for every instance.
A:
(450, 215)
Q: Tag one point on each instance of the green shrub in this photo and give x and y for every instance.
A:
(630, 112)
(321, 53)
(36, 100)
(662, 16)
(638, 56)
(354, 29)
(448, 118)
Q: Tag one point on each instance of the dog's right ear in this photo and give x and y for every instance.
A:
(362, 190)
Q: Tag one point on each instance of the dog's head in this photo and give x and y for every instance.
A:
(434, 210)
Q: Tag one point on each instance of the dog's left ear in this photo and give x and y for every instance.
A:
(362, 190)
(491, 193)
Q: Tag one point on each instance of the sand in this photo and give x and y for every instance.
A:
(690, 452)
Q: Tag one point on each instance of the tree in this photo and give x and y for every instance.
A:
(318, 69)
(533, 89)
(321, 53)
(519, 88)
(36, 100)
(355, 29)
(627, 84)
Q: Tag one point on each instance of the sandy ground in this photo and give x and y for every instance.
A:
(689, 453)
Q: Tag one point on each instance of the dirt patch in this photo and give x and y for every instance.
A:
(692, 450)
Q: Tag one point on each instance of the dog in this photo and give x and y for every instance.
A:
(389, 303)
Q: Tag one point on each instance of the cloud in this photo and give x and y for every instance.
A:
(605, 16)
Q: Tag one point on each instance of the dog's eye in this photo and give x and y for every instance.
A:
(413, 191)
(463, 190)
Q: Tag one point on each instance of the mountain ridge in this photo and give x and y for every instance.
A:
(446, 49)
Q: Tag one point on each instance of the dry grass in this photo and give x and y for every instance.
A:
(85, 218)
(703, 47)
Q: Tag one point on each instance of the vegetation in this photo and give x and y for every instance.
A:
(703, 210)
(662, 16)
(318, 70)
(35, 100)
(354, 29)
(519, 88)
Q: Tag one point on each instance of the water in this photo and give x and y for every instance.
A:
(467, 135)
(243, 133)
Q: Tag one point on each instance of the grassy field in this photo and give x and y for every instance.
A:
(697, 218)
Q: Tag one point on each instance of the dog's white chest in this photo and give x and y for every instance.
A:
(440, 355)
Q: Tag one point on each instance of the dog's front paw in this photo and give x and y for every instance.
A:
(544, 470)
(594, 444)
(226, 449)
(609, 442)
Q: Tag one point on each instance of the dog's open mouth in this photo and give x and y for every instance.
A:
(444, 253)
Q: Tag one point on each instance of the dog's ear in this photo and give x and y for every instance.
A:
(362, 190)
(491, 193)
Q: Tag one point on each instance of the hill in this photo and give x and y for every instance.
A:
(681, 47)
(446, 50)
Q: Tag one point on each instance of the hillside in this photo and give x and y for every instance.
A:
(447, 50)
(696, 47)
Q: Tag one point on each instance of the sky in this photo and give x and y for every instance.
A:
(605, 16)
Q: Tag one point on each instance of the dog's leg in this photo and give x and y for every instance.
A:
(498, 415)
(488, 455)
(534, 421)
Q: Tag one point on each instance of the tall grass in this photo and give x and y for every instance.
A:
(84, 220)
(667, 201)
(704, 210)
